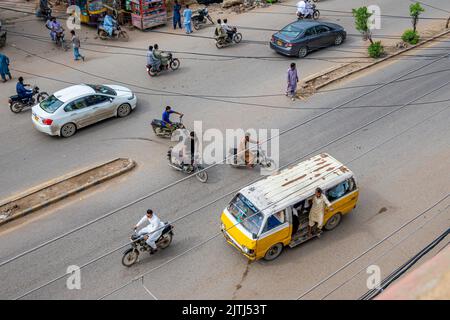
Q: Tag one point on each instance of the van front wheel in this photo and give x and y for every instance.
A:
(273, 252)
(333, 222)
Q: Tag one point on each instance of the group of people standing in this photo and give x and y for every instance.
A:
(187, 14)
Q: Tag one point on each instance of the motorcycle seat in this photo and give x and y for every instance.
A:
(167, 228)
(157, 122)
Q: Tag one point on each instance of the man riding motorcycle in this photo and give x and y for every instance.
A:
(166, 116)
(55, 28)
(160, 57)
(23, 92)
(220, 31)
(109, 24)
(229, 30)
(304, 8)
(152, 231)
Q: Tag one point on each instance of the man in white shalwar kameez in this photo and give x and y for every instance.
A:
(152, 231)
(319, 202)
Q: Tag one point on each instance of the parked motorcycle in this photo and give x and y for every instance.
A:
(315, 15)
(118, 33)
(138, 244)
(226, 41)
(17, 104)
(173, 63)
(236, 160)
(174, 162)
(161, 130)
(2, 35)
(200, 18)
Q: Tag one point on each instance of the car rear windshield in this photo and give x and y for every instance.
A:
(246, 213)
(51, 104)
(102, 89)
(291, 31)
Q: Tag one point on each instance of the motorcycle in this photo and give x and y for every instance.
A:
(60, 40)
(202, 176)
(235, 160)
(226, 41)
(2, 36)
(44, 12)
(161, 130)
(173, 63)
(118, 33)
(315, 15)
(17, 104)
(138, 244)
(200, 18)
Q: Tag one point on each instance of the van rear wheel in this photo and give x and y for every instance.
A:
(333, 222)
(273, 252)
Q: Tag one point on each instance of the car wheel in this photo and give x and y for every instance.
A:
(333, 222)
(274, 252)
(339, 39)
(302, 52)
(68, 130)
(123, 110)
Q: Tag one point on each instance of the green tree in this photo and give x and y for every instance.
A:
(362, 16)
(415, 10)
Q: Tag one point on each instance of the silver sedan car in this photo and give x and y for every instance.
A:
(72, 108)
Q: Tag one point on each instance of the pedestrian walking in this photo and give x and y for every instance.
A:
(76, 46)
(4, 67)
(176, 15)
(187, 14)
(292, 79)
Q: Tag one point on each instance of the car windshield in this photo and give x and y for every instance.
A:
(246, 214)
(51, 104)
(291, 31)
(102, 89)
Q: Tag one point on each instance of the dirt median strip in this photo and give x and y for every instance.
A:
(317, 81)
(60, 188)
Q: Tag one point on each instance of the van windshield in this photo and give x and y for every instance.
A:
(246, 213)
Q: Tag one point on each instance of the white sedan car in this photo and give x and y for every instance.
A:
(72, 108)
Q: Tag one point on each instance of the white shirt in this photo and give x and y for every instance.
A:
(301, 6)
(153, 223)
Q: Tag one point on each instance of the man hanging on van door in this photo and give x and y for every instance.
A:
(319, 201)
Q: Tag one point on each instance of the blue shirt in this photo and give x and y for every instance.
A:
(21, 91)
(166, 116)
(187, 13)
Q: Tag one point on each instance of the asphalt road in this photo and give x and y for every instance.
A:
(399, 178)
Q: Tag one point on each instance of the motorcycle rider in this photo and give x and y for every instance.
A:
(150, 57)
(304, 8)
(152, 231)
(220, 32)
(229, 30)
(161, 58)
(109, 24)
(244, 152)
(23, 92)
(54, 26)
(166, 116)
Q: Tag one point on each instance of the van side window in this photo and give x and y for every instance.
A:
(341, 189)
(275, 220)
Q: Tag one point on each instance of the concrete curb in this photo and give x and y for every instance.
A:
(64, 195)
(312, 78)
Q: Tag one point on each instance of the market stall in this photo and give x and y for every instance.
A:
(148, 13)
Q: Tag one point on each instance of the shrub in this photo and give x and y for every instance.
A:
(375, 49)
(410, 36)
